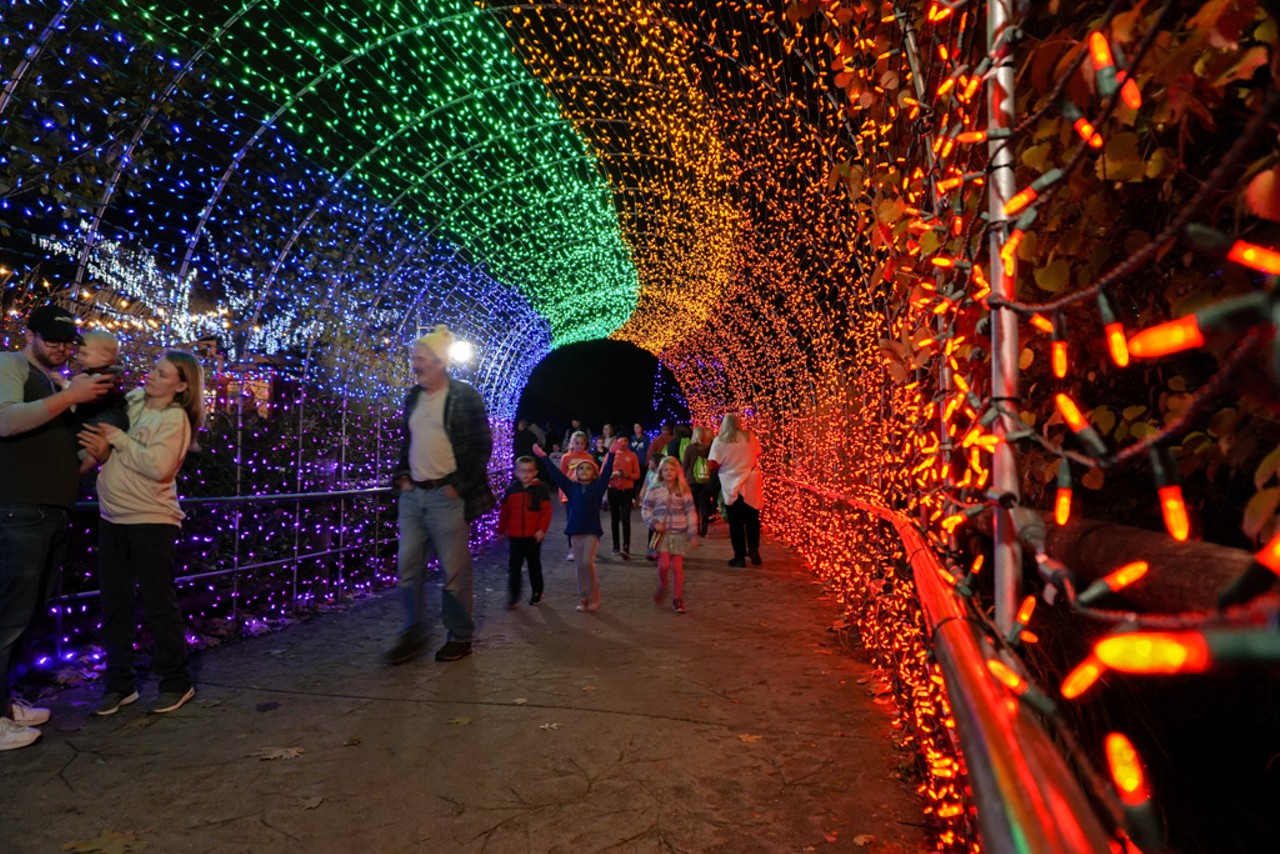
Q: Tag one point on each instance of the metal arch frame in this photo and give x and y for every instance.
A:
(152, 111)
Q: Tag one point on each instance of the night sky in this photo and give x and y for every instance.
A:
(599, 381)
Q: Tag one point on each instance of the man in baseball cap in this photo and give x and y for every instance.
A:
(55, 324)
(38, 487)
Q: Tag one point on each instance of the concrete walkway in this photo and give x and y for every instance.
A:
(740, 726)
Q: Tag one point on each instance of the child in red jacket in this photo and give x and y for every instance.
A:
(524, 519)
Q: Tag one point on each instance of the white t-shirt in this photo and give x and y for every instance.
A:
(739, 470)
(430, 452)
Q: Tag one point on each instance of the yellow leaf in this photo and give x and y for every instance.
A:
(1132, 412)
(1178, 383)
(1223, 422)
(1025, 358)
(1028, 417)
(1104, 419)
(889, 211)
(749, 738)
(1037, 157)
(1141, 430)
(1266, 469)
(1120, 160)
(1092, 479)
(1053, 276)
(1262, 196)
(1259, 511)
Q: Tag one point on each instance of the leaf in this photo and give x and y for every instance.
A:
(1025, 358)
(1120, 160)
(1092, 479)
(1262, 196)
(550, 727)
(1223, 422)
(351, 742)
(1259, 511)
(1132, 412)
(889, 211)
(460, 721)
(1053, 276)
(1266, 469)
(1037, 157)
(312, 803)
(268, 753)
(108, 842)
(1141, 430)
(865, 840)
(1250, 61)
(1178, 383)
(521, 701)
(1104, 419)
(748, 738)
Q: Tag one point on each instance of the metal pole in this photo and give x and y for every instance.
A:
(235, 520)
(1004, 323)
(297, 507)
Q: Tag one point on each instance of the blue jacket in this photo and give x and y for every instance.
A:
(584, 501)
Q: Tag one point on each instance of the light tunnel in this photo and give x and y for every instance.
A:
(895, 236)
(323, 179)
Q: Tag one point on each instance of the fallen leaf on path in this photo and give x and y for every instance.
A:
(351, 742)
(749, 738)
(312, 803)
(866, 840)
(462, 721)
(830, 835)
(277, 753)
(588, 687)
(520, 701)
(108, 842)
(549, 726)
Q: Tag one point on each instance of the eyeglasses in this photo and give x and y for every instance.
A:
(49, 343)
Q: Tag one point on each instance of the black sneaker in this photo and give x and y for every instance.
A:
(535, 599)
(408, 645)
(171, 701)
(112, 701)
(453, 650)
(737, 561)
(626, 553)
(755, 558)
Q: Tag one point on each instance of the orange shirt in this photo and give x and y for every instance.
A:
(567, 463)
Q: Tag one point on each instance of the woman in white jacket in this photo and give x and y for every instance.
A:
(138, 531)
(735, 455)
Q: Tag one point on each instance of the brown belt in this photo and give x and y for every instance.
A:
(431, 484)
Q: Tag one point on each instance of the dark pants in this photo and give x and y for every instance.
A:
(704, 499)
(33, 541)
(620, 512)
(141, 557)
(744, 528)
(523, 548)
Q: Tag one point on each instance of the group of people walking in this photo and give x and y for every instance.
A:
(54, 429)
(51, 430)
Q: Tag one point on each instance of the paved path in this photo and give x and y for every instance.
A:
(740, 726)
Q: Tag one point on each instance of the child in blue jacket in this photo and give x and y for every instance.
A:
(584, 492)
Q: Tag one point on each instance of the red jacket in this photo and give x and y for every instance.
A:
(517, 518)
(626, 470)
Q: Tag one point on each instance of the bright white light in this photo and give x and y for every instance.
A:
(461, 352)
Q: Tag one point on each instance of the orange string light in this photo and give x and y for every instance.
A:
(1172, 337)
(1082, 677)
(1127, 771)
(1154, 652)
(1257, 257)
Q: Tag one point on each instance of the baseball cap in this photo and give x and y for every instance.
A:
(54, 323)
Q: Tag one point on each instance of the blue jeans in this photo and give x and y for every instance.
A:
(433, 523)
(33, 541)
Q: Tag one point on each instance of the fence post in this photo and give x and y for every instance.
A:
(1004, 323)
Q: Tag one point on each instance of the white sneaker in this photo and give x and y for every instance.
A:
(15, 735)
(569, 556)
(23, 713)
